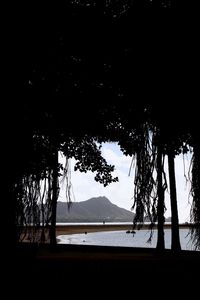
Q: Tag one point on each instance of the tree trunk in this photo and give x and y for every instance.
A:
(54, 198)
(161, 206)
(175, 242)
(195, 191)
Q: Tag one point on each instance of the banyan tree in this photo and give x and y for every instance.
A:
(77, 87)
(147, 136)
(36, 189)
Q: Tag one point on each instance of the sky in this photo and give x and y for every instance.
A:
(120, 193)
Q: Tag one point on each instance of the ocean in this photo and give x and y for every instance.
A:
(123, 239)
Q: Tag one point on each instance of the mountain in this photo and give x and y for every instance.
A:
(96, 209)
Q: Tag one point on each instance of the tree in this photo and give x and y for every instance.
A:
(161, 198)
(175, 245)
(56, 66)
(195, 191)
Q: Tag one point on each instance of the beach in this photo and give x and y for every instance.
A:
(68, 229)
(82, 228)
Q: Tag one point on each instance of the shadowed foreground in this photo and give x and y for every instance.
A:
(99, 271)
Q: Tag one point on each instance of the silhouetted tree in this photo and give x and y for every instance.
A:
(195, 191)
(161, 197)
(55, 194)
(175, 243)
(87, 69)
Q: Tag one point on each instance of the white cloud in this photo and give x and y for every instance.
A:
(116, 158)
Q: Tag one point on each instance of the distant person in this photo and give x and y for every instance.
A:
(104, 222)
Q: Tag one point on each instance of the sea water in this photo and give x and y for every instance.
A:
(123, 239)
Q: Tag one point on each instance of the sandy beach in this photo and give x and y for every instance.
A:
(82, 228)
(66, 229)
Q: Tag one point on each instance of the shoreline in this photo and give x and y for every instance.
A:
(66, 229)
(82, 228)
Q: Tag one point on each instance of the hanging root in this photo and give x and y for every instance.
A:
(144, 182)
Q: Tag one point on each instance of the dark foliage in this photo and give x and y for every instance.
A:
(88, 71)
